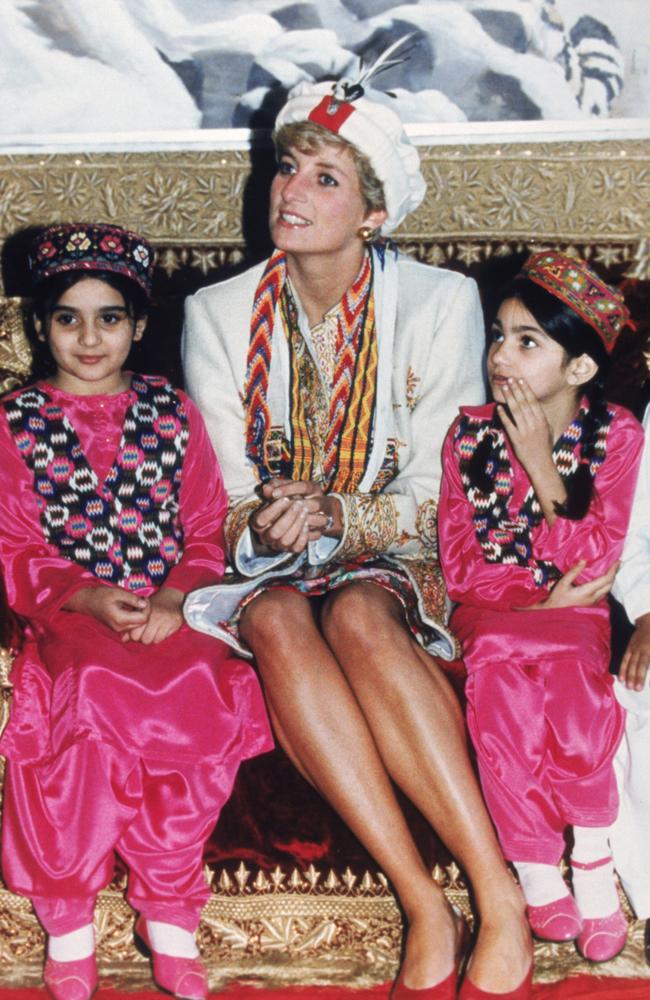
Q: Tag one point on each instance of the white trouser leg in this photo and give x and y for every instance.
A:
(630, 834)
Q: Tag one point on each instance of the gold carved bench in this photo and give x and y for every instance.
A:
(328, 916)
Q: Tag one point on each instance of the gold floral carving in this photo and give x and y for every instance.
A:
(15, 352)
(482, 200)
(279, 929)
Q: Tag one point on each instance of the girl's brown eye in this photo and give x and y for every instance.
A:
(64, 318)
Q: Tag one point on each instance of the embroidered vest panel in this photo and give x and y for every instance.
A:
(504, 538)
(127, 531)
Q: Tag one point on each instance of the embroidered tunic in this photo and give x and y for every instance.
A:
(430, 349)
(540, 706)
(87, 706)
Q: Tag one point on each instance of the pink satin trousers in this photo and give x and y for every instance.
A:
(544, 722)
(58, 845)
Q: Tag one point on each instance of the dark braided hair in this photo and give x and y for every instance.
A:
(576, 337)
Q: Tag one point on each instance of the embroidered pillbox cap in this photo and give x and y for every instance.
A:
(573, 281)
(376, 130)
(83, 246)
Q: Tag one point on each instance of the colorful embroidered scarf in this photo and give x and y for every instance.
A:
(502, 538)
(352, 401)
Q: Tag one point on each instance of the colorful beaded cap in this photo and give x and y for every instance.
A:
(573, 281)
(82, 246)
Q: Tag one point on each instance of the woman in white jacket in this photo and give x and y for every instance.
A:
(328, 376)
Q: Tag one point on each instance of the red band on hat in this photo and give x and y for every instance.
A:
(332, 119)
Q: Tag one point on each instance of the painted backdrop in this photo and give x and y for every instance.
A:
(146, 65)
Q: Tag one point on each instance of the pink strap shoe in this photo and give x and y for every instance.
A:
(603, 938)
(71, 980)
(556, 921)
(185, 978)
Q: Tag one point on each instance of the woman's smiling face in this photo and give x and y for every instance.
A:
(316, 202)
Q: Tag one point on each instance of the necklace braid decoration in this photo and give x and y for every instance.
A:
(258, 364)
(347, 445)
(489, 488)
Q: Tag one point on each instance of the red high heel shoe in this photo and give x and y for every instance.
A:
(444, 990)
(71, 980)
(185, 978)
(468, 991)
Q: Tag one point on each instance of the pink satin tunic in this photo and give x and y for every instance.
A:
(113, 744)
(541, 710)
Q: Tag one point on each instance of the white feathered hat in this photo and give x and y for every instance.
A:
(373, 128)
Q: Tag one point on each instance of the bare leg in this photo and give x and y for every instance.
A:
(324, 732)
(419, 730)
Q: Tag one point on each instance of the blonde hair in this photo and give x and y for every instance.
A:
(306, 137)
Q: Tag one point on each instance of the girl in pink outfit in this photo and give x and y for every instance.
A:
(127, 727)
(534, 508)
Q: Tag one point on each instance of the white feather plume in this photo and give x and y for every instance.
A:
(348, 89)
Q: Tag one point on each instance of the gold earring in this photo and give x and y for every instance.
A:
(366, 233)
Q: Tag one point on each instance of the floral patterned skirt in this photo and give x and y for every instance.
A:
(316, 581)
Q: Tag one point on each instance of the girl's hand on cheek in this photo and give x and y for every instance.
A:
(531, 437)
(526, 425)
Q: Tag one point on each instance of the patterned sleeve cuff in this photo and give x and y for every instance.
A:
(371, 524)
(236, 524)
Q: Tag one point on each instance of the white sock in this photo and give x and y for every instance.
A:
(540, 883)
(594, 888)
(73, 946)
(168, 939)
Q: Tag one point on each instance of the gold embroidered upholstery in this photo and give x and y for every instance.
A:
(483, 203)
(427, 575)
(15, 352)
